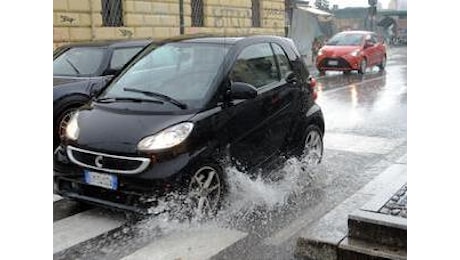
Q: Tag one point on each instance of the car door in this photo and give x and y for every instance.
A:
(372, 50)
(256, 125)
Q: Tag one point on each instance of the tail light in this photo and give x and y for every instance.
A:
(312, 83)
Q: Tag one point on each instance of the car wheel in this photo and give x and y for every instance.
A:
(383, 63)
(322, 72)
(313, 146)
(206, 190)
(362, 66)
(61, 124)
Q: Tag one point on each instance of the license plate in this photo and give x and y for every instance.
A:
(333, 62)
(104, 180)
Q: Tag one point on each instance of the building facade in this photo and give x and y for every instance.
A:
(88, 20)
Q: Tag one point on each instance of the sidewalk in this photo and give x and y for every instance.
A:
(371, 224)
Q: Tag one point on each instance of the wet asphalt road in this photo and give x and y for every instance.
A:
(366, 124)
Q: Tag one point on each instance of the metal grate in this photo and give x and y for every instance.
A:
(112, 13)
(197, 13)
(256, 13)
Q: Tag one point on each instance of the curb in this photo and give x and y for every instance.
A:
(346, 231)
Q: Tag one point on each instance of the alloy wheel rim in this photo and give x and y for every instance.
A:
(205, 190)
(313, 148)
(64, 122)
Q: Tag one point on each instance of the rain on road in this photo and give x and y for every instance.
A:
(366, 122)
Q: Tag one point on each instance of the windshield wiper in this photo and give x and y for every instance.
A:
(158, 95)
(116, 99)
(73, 66)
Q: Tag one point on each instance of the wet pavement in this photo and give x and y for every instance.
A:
(366, 125)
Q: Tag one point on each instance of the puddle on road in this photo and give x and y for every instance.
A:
(249, 202)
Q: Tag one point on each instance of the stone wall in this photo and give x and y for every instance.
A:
(81, 20)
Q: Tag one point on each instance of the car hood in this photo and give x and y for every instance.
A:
(331, 50)
(119, 131)
(59, 81)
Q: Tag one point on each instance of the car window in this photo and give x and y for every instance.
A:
(255, 65)
(346, 39)
(121, 56)
(283, 61)
(79, 61)
(183, 71)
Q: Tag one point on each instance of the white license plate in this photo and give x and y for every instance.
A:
(333, 62)
(101, 179)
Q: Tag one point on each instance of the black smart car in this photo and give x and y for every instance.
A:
(177, 114)
(81, 69)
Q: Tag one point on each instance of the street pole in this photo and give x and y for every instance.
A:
(372, 12)
(181, 16)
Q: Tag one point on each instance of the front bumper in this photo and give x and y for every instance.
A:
(345, 63)
(138, 192)
(136, 201)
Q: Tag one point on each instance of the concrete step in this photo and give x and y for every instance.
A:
(355, 249)
(378, 228)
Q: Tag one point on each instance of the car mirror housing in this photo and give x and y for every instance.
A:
(242, 90)
(368, 44)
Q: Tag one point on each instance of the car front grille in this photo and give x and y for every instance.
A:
(107, 162)
(341, 63)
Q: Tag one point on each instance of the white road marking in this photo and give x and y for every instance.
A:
(360, 144)
(197, 243)
(81, 227)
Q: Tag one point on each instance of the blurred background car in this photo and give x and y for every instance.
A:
(352, 50)
(80, 70)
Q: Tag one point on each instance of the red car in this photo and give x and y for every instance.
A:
(352, 50)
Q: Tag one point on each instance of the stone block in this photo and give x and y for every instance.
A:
(128, 6)
(66, 19)
(105, 33)
(134, 19)
(142, 7)
(160, 8)
(96, 19)
(60, 5)
(85, 20)
(79, 5)
(60, 34)
(96, 5)
(143, 32)
(80, 34)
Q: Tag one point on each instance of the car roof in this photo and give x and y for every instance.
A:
(110, 43)
(219, 38)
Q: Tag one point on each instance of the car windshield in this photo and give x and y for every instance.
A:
(346, 39)
(79, 61)
(181, 71)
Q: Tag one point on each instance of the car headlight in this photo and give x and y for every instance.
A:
(320, 52)
(355, 53)
(167, 138)
(72, 130)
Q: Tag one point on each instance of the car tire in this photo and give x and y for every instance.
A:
(312, 145)
(205, 189)
(383, 63)
(322, 72)
(362, 66)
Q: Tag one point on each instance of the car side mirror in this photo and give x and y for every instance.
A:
(368, 44)
(242, 90)
(291, 78)
(110, 72)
